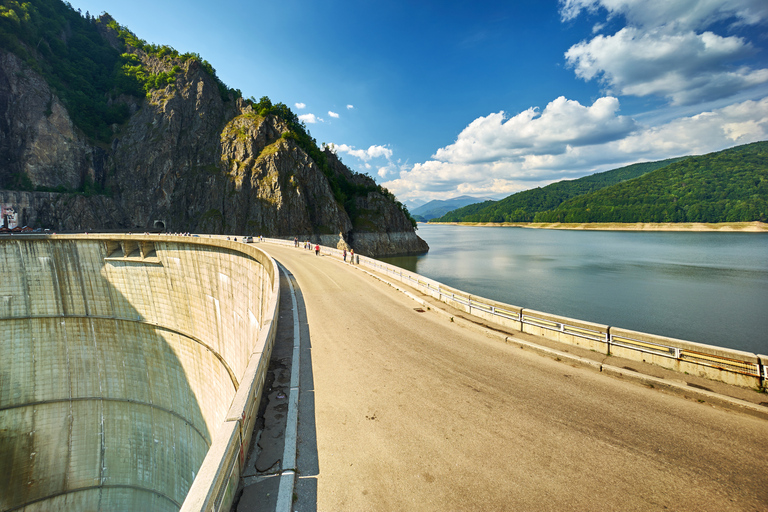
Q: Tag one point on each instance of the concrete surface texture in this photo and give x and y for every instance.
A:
(404, 409)
(120, 358)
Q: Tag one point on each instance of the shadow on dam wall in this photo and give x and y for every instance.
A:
(117, 363)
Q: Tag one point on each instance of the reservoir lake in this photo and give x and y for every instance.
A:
(706, 287)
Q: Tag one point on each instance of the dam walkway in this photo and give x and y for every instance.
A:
(406, 407)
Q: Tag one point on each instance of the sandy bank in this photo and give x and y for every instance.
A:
(729, 227)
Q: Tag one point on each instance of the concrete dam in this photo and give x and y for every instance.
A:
(131, 368)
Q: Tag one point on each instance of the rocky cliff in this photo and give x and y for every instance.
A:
(188, 158)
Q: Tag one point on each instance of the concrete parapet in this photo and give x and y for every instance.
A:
(566, 330)
(122, 356)
(716, 363)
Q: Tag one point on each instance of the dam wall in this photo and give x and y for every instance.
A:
(130, 364)
(716, 363)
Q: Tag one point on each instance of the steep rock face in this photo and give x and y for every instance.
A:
(186, 160)
(37, 137)
(381, 226)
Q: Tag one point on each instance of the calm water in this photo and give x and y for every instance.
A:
(705, 287)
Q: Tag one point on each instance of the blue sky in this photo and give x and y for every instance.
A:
(486, 98)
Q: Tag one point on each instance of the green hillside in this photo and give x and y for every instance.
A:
(727, 186)
(523, 206)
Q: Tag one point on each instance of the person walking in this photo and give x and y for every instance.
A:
(317, 249)
(295, 241)
(352, 256)
(345, 255)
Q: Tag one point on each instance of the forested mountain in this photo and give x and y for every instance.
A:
(726, 186)
(523, 206)
(101, 130)
(438, 208)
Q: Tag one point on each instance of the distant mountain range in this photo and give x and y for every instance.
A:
(725, 186)
(438, 208)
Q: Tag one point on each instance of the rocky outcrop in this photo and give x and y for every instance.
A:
(38, 140)
(188, 159)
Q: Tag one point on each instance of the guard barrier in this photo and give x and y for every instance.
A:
(213, 490)
(716, 363)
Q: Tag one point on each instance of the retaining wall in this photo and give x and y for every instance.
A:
(131, 365)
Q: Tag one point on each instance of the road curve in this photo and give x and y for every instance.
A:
(413, 412)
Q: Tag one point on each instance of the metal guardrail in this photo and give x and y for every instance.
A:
(645, 346)
(446, 294)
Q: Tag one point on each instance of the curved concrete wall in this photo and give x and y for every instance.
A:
(121, 357)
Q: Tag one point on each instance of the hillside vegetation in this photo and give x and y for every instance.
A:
(523, 206)
(727, 186)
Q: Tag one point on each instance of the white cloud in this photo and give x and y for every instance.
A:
(563, 123)
(528, 165)
(685, 67)
(310, 118)
(680, 14)
(666, 49)
(364, 154)
(384, 170)
(736, 124)
(300, 105)
(350, 107)
(333, 114)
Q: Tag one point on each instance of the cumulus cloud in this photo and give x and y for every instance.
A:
(680, 14)
(310, 118)
(563, 123)
(333, 114)
(350, 107)
(300, 105)
(665, 49)
(375, 157)
(364, 154)
(687, 68)
(535, 162)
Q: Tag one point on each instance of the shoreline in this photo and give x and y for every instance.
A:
(722, 227)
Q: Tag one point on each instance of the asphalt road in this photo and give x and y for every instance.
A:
(404, 410)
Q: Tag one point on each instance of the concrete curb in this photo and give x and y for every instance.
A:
(289, 469)
(681, 389)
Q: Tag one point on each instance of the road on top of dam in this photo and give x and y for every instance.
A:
(406, 410)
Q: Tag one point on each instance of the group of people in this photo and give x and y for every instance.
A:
(308, 246)
(351, 256)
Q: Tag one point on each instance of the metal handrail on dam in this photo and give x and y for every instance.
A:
(132, 369)
(717, 363)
